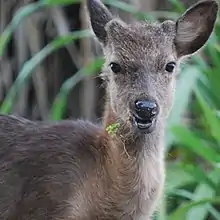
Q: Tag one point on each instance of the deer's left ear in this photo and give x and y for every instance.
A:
(99, 17)
(195, 26)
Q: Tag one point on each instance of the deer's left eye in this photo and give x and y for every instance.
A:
(170, 67)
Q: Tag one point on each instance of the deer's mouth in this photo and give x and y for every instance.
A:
(145, 125)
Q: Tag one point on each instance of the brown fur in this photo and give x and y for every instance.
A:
(75, 170)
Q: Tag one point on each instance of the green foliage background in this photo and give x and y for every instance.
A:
(192, 149)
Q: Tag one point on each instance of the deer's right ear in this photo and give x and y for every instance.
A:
(99, 17)
(195, 26)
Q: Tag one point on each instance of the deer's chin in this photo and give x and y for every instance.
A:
(144, 126)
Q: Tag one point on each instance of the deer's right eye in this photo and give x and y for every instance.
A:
(170, 67)
(116, 68)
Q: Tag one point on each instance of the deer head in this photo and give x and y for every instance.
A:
(142, 60)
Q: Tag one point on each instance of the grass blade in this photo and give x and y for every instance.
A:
(18, 17)
(59, 2)
(181, 212)
(204, 191)
(193, 143)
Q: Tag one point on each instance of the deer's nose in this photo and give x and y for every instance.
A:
(146, 109)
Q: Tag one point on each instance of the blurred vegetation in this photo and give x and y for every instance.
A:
(193, 130)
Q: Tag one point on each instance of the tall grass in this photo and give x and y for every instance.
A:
(193, 175)
(192, 149)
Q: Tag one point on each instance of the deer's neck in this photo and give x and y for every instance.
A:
(136, 164)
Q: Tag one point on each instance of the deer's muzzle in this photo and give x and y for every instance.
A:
(145, 114)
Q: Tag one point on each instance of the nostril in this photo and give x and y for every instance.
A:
(147, 105)
(146, 108)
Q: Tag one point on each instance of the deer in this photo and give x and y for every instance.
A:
(82, 170)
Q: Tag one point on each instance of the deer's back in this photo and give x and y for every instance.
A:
(41, 166)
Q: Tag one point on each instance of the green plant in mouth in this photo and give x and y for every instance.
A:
(112, 128)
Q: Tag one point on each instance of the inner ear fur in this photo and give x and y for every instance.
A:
(195, 26)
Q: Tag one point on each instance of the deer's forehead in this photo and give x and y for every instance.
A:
(141, 32)
(137, 42)
(148, 50)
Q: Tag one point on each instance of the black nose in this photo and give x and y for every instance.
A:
(146, 109)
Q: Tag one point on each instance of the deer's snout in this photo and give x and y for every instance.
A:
(145, 114)
(146, 109)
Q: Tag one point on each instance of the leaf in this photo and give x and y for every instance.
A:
(180, 213)
(214, 213)
(61, 99)
(202, 197)
(59, 2)
(193, 143)
(198, 174)
(204, 191)
(181, 192)
(29, 66)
